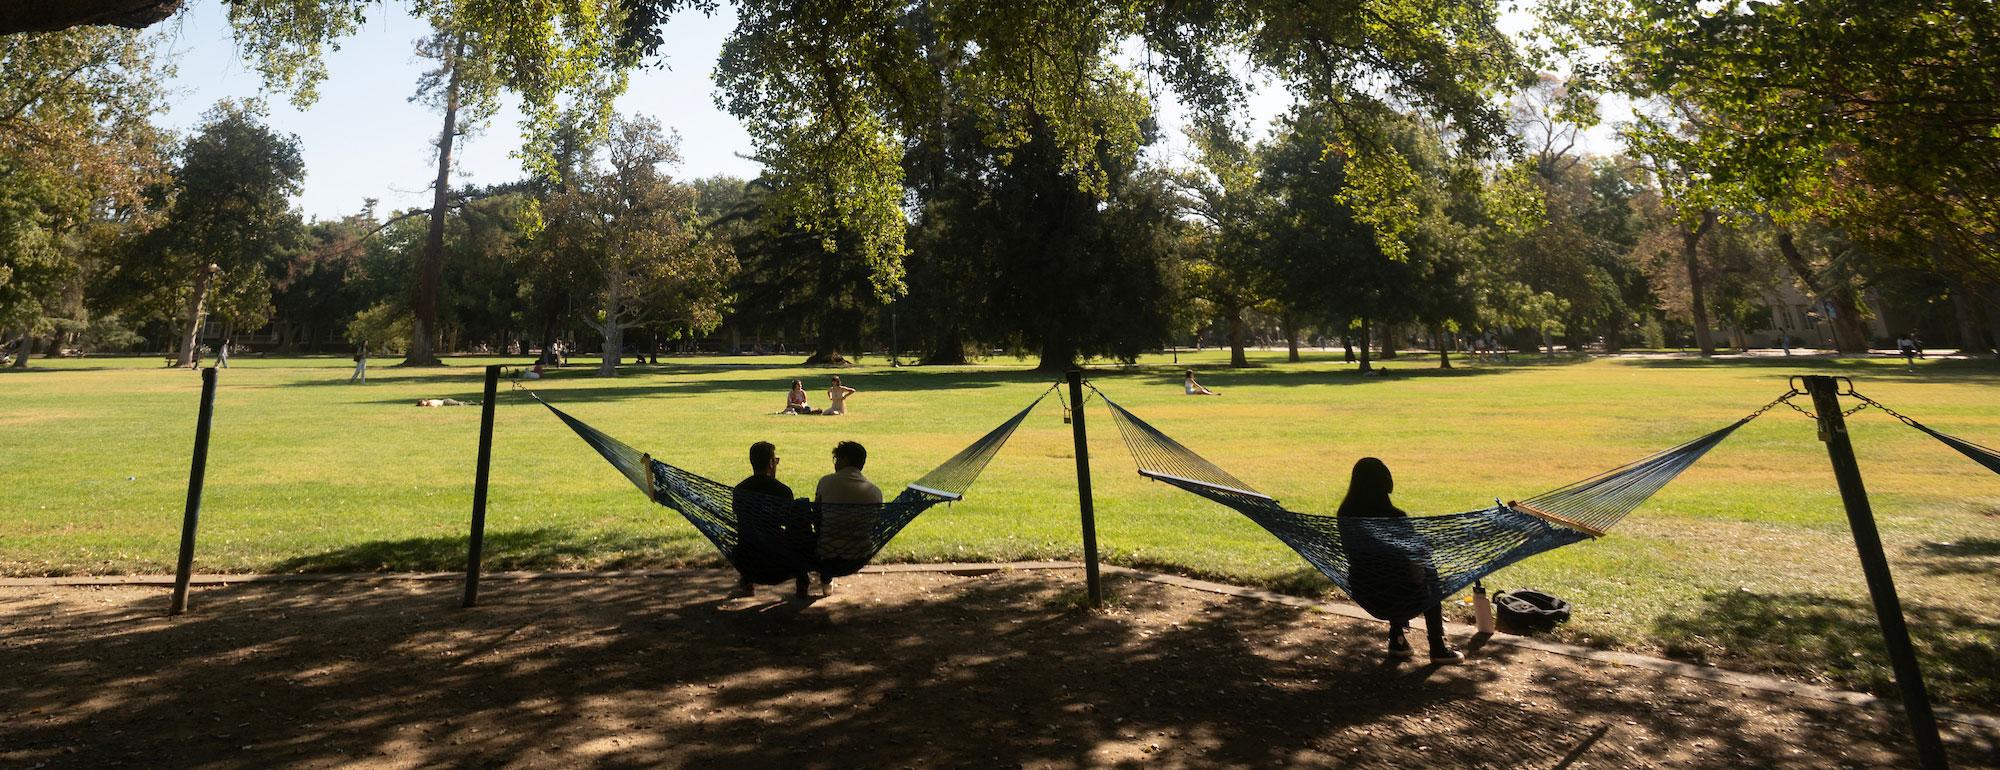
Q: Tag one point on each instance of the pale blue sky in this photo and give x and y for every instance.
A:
(365, 139)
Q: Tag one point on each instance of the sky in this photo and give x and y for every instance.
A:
(363, 139)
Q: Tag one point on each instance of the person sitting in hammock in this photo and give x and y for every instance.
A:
(1388, 564)
(795, 401)
(849, 506)
(1194, 388)
(773, 535)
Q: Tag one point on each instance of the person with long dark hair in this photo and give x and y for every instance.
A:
(1388, 566)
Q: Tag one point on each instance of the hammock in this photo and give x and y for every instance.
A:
(1985, 456)
(771, 539)
(1396, 567)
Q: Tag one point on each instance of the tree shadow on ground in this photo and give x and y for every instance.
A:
(953, 672)
(540, 548)
(1878, 368)
(1838, 641)
(1966, 556)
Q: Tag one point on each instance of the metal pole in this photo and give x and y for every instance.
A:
(184, 568)
(478, 540)
(1888, 610)
(1083, 489)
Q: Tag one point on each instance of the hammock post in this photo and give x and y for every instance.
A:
(184, 566)
(477, 542)
(1083, 489)
(1875, 565)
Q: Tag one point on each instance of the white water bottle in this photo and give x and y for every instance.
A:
(1482, 609)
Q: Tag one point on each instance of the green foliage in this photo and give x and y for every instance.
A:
(1877, 115)
(76, 150)
(382, 328)
(228, 223)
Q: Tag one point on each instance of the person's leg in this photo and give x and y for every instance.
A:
(1399, 645)
(802, 585)
(743, 587)
(1441, 651)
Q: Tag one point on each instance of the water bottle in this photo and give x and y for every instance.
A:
(1482, 609)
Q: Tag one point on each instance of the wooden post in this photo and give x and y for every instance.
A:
(1083, 489)
(478, 539)
(184, 567)
(1875, 566)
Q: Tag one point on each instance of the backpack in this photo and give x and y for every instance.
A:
(1525, 611)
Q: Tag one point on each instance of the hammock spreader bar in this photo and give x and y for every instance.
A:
(1395, 568)
(771, 539)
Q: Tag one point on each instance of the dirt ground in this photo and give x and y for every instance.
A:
(894, 670)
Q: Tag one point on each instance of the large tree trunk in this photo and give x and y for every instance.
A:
(1691, 252)
(1291, 337)
(26, 349)
(613, 332)
(1612, 336)
(1993, 311)
(948, 349)
(1971, 333)
(1366, 365)
(1058, 355)
(1849, 334)
(423, 331)
(1443, 344)
(1388, 341)
(197, 311)
(1236, 357)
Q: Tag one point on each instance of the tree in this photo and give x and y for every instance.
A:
(833, 93)
(639, 232)
(77, 149)
(227, 215)
(1226, 268)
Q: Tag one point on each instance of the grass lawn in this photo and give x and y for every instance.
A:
(1745, 561)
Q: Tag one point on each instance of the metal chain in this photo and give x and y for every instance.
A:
(1868, 402)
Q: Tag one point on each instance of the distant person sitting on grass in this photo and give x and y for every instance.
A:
(1194, 388)
(769, 525)
(849, 505)
(1383, 569)
(795, 401)
(836, 397)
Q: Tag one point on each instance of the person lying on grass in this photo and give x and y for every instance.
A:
(849, 505)
(1194, 388)
(774, 530)
(1380, 569)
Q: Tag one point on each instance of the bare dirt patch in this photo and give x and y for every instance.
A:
(895, 670)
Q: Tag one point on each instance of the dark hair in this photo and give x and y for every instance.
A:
(1368, 490)
(851, 454)
(836, 379)
(1190, 372)
(797, 384)
(761, 455)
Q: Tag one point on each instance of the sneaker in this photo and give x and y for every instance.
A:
(1446, 656)
(1399, 648)
(743, 591)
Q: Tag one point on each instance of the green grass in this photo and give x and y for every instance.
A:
(1746, 560)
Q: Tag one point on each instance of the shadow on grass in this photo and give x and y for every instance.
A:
(535, 549)
(1825, 638)
(1968, 556)
(1875, 368)
(958, 673)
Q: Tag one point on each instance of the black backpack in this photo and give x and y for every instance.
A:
(1526, 611)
